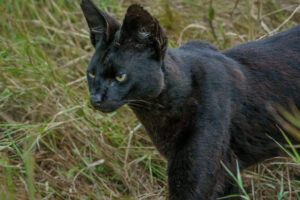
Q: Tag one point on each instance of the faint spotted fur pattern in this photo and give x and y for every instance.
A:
(198, 105)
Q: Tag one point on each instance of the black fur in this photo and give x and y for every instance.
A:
(199, 106)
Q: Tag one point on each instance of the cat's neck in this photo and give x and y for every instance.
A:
(169, 107)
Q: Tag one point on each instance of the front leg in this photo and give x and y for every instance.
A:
(194, 169)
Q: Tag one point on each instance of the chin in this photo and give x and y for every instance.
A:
(107, 110)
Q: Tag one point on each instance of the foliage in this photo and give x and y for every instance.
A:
(53, 145)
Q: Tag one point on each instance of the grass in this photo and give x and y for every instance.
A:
(53, 145)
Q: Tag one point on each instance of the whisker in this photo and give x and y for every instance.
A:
(146, 102)
(136, 105)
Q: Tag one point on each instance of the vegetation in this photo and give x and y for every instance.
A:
(53, 145)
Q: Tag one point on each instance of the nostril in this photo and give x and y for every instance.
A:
(96, 99)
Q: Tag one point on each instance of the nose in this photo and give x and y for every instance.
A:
(96, 99)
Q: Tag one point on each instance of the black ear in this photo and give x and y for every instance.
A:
(142, 30)
(102, 26)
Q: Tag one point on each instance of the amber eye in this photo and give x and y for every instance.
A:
(120, 77)
(91, 75)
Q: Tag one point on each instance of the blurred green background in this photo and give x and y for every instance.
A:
(53, 145)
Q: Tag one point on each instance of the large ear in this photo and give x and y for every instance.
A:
(143, 31)
(102, 26)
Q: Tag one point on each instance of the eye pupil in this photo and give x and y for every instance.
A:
(121, 77)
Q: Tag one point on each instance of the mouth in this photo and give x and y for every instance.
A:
(108, 107)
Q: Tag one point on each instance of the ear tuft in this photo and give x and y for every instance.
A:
(143, 29)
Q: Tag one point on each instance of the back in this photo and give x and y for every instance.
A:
(272, 66)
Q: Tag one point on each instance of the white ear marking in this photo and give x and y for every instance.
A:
(143, 34)
(98, 29)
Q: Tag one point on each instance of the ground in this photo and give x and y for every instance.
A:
(53, 145)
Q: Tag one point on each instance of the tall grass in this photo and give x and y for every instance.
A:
(53, 145)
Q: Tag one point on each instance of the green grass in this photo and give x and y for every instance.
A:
(53, 145)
